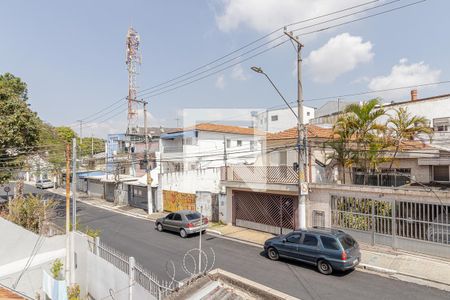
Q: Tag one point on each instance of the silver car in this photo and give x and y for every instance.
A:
(44, 184)
(185, 222)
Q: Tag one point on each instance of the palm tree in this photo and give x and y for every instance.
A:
(404, 127)
(365, 128)
(342, 153)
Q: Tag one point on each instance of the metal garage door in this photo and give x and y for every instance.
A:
(266, 212)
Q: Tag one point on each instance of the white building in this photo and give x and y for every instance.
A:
(208, 146)
(276, 120)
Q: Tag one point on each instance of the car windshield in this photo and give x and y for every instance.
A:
(47, 180)
(347, 241)
(193, 216)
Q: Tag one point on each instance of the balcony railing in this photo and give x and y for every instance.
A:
(260, 174)
(173, 149)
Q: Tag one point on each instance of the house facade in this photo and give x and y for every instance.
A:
(275, 120)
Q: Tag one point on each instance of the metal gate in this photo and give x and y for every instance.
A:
(266, 212)
(138, 196)
(109, 191)
(214, 207)
(408, 225)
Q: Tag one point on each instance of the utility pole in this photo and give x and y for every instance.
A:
(225, 158)
(81, 131)
(302, 184)
(147, 163)
(74, 209)
(92, 145)
(68, 256)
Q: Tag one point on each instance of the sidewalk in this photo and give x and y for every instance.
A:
(431, 271)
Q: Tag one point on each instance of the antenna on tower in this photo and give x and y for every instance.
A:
(133, 61)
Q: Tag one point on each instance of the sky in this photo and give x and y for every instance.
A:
(72, 55)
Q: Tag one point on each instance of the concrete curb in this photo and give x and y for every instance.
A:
(376, 269)
(213, 231)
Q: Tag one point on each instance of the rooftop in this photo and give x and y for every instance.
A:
(313, 132)
(220, 128)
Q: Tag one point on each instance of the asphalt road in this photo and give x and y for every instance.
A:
(155, 250)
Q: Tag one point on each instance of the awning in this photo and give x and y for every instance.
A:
(442, 161)
(171, 136)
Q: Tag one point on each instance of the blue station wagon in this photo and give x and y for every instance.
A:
(328, 249)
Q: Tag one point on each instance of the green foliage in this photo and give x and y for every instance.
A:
(403, 126)
(93, 233)
(65, 134)
(19, 126)
(56, 269)
(88, 142)
(73, 292)
(30, 212)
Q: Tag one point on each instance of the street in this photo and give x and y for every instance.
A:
(154, 250)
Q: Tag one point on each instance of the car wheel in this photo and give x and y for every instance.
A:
(204, 231)
(183, 233)
(159, 227)
(272, 253)
(324, 267)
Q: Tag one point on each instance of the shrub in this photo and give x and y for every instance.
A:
(56, 268)
(73, 292)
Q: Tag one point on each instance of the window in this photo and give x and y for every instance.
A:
(329, 243)
(293, 238)
(308, 113)
(441, 173)
(347, 241)
(239, 143)
(228, 143)
(252, 145)
(177, 217)
(274, 118)
(193, 216)
(310, 240)
(442, 128)
(318, 218)
(169, 216)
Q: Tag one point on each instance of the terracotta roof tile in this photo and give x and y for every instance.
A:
(7, 294)
(313, 132)
(221, 128)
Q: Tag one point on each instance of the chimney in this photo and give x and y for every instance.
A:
(414, 95)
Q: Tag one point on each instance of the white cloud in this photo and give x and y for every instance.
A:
(238, 73)
(339, 55)
(268, 15)
(220, 82)
(404, 74)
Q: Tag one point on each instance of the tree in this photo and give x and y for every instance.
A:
(342, 153)
(19, 126)
(362, 121)
(403, 126)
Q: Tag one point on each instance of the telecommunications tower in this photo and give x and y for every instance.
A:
(133, 62)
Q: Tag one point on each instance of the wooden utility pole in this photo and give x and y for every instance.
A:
(67, 269)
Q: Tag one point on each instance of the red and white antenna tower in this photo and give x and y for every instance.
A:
(133, 62)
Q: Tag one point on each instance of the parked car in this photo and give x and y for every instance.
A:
(45, 184)
(185, 222)
(328, 249)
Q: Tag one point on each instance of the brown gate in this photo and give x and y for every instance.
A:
(266, 212)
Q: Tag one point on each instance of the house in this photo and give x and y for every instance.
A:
(191, 159)
(208, 145)
(275, 120)
(436, 109)
(402, 211)
(126, 152)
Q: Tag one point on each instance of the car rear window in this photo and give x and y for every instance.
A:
(193, 216)
(329, 243)
(347, 241)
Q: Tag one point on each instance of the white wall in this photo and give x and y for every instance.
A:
(207, 180)
(286, 119)
(15, 250)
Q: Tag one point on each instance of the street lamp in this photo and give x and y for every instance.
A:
(260, 71)
(302, 185)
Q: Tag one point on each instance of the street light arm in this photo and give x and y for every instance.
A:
(279, 93)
